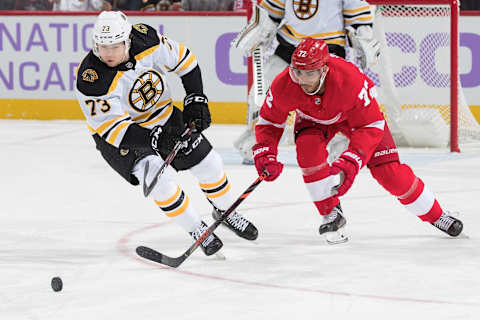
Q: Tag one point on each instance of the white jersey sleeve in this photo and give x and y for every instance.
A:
(357, 12)
(174, 56)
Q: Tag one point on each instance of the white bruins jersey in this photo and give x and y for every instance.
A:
(319, 19)
(135, 91)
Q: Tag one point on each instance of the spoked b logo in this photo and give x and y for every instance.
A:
(146, 91)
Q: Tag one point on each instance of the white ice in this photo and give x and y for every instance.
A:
(65, 213)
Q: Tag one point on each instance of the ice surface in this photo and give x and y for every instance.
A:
(65, 213)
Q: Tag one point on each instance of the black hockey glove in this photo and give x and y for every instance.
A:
(165, 138)
(195, 109)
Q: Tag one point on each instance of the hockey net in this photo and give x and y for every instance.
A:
(417, 75)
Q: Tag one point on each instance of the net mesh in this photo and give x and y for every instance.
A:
(413, 76)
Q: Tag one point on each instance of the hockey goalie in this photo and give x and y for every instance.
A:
(337, 22)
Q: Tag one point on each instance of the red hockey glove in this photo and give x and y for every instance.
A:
(266, 160)
(349, 162)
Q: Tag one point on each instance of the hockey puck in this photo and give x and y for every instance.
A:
(57, 284)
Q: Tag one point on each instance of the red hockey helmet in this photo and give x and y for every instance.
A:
(310, 54)
(309, 65)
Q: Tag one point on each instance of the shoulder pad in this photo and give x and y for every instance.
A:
(94, 78)
(143, 37)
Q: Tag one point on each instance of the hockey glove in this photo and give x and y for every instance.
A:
(260, 31)
(365, 44)
(165, 138)
(266, 161)
(195, 109)
(350, 162)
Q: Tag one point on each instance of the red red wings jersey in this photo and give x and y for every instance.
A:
(348, 103)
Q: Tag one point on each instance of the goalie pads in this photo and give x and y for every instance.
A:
(259, 31)
(366, 46)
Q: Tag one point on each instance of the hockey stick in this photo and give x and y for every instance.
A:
(153, 255)
(147, 189)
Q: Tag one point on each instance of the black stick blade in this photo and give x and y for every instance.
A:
(155, 256)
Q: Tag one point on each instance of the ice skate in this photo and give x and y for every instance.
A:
(238, 224)
(333, 226)
(448, 224)
(211, 244)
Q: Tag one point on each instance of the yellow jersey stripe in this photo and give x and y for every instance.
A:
(90, 128)
(271, 9)
(363, 19)
(114, 134)
(288, 29)
(218, 194)
(215, 184)
(279, 3)
(364, 8)
(105, 125)
(187, 63)
(145, 53)
(180, 210)
(181, 53)
(328, 41)
(339, 42)
(170, 200)
(167, 112)
(115, 82)
(159, 105)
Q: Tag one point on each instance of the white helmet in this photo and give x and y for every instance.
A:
(111, 27)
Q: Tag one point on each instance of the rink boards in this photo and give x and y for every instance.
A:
(39, 58)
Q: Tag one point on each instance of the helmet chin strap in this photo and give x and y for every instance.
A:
(322, 79)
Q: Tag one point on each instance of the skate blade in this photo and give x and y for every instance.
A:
(220, 256)
(248, 162)
(336, 237)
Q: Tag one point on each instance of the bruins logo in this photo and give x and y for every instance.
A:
(146, 91)
(89, 75)
(305, 9)
(140, 28)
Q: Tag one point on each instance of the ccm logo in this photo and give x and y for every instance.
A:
(198, 99)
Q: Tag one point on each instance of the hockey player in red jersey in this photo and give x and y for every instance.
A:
(330, 96)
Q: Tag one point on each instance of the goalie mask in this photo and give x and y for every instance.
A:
(309, 67)
(111, 27)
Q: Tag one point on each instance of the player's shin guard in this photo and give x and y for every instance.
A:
(219, 194)
(399, 179)
(216, 187)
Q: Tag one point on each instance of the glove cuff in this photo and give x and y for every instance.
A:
(261, 149)
(195, 98)
(353, 157)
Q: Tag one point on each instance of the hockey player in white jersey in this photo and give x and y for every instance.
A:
(123, 94)
(337, 22)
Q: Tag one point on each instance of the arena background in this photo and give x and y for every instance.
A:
(39, 57)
